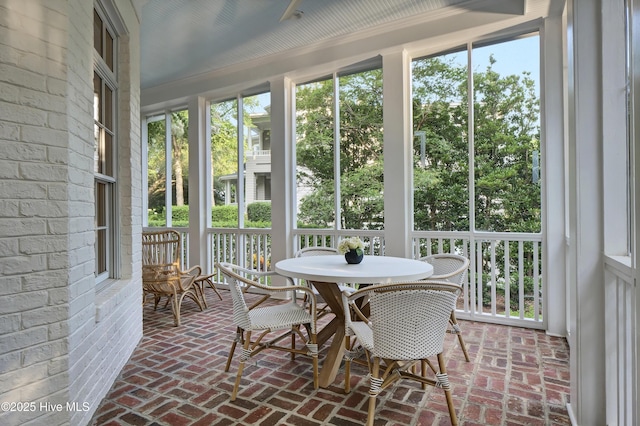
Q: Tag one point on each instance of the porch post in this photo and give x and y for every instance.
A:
(397, 151)
(586, 239)
(283, 169)
(199, 182)
(553, 164)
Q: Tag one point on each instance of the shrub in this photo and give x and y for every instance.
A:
(259, 212)
(180, 214)
(224, 214)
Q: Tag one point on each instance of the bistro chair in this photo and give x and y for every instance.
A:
(452, 268)
(161, 273)
(406, 326)
(323, 308)
(270, 319)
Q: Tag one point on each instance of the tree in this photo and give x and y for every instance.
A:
(506, 136)
(361, 173)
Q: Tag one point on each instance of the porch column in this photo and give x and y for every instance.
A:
(397, 151)
(553, 173)
(283, 169)
(199, 181)
(586, 241)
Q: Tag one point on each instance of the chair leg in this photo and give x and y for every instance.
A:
(314, 341)
(233, 349)
(247, 343)
(458, 332)
(347, 365)
(213, 287)
(175, 308)
(373, 390)
(447, 391)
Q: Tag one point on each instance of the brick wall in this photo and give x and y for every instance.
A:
(60, 341)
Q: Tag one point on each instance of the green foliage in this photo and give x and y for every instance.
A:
(259, 212)
(228, 213)
(361, 166)
(180, 213)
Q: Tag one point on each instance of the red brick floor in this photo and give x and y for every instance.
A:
(176, 377)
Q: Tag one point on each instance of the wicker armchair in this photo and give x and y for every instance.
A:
(323, 308)
(406, 326)
(161, 273)
(265, 320)
(452, 268)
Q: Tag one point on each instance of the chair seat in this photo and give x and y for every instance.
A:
(278, 317)
(363, 333)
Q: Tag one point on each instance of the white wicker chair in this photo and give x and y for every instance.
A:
(286, 315)
(406, 326)
(323, 308)
(452, 268)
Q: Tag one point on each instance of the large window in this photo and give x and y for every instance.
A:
(104, 103)
(503, 140)
(168, 155)
(339, 161)
(241, 190)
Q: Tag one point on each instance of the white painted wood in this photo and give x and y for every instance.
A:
(397, 152)
(283, 169)
(199, 180)
(587, 355)
(553, 170)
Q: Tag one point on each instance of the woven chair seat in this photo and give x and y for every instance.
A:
(279, 317)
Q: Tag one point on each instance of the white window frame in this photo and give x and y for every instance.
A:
(108, 78)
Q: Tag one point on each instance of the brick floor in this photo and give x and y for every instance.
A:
(176, 377)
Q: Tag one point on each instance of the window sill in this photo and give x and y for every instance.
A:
(112, 294)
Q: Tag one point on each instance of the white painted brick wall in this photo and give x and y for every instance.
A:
(60, 341)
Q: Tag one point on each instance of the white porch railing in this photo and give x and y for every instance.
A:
(505, 274)
(620, 342)
(496, 259)
(373, 239)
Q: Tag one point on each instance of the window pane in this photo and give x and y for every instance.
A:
(97, 98)
(101, 225)
(315, 154)
(108, 50)
(507, 136)
(180, 168)
(108, 108)
(97, 32)
(440, 145)
(107, 155)
(224, 163)
(257, 162)
(156, 157)
(361, 164)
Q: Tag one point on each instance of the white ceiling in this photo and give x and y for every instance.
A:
(186, 38)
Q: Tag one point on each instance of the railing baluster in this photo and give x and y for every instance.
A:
(507, 280)
(521, 308)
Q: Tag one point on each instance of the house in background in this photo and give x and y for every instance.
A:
(257, 165)
(71, 206)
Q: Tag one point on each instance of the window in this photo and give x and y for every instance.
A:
(504, 136)
(168, 155)
(342, 115)
(104, 102)
(246, 148)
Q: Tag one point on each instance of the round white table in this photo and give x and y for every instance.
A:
(325, 272)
